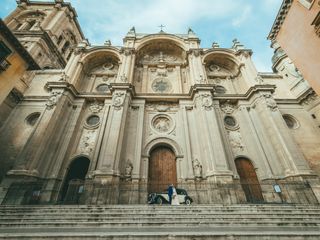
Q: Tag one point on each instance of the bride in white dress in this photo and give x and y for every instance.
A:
(175, 198)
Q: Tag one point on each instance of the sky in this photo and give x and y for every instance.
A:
(212, 20)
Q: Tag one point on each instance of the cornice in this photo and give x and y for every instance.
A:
(9, 36)
(45, 36)
(281, 16)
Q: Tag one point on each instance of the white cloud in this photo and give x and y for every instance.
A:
(243, 17)
(113, 18)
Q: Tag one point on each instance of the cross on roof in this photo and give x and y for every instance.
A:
(161, 27)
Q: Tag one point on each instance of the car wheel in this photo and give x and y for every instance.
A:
(159, 201)
(188, 201)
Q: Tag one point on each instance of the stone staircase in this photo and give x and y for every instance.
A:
(160, 222)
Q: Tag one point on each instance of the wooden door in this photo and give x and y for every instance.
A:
(162, 170)
(249, 180)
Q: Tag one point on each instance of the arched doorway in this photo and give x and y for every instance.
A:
(162, 169)
(249, 180)
(74, 180)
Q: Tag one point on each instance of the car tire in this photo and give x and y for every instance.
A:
(187, 201)
(159, 201)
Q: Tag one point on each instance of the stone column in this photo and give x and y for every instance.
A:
(211, 138)
(256, 149)
(196, 73)
(126, 70)
(287, 151)
(110, 153)
(137, 165)
(186, 136)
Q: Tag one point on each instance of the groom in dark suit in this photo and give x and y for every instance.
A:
(170, 192)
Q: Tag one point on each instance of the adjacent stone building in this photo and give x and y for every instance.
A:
(110, 124)
(297, 30)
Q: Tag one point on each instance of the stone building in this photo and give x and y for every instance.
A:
(110, 124)
(297, 30)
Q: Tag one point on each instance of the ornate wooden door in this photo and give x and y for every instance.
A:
(162, 169)
(249, 180)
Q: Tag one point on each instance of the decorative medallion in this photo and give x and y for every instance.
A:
(118, 100)
(227, 107)
(271, 103)
(214, 68)
(207, 101)
(162, 123)
(53, 99)
(96, 107)
(108, 66)
(161, 85)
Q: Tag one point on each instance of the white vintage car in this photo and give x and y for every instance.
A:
(163, 198)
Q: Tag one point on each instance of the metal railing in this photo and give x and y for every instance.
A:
(88, 192)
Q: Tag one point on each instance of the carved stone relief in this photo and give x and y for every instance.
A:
(161, 85)
(310, 99)
(197, 169)
(236, 142)
(162, 123)
(215, 70)
(162, 107)
(87, 141)
(271, 103)
(228, 107)
(105, 72)
(53, 98)
(118, 100)
(128, 170)
(205, 101)
(96, 107)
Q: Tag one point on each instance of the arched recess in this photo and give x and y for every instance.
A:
(162, 141)
(74, 180)
(28, 19)
(158, 151)
(221, 67)
(99, 66)
(249, 180)
(160, 66)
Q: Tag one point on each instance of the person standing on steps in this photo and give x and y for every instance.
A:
(175, 198)
(170, 192)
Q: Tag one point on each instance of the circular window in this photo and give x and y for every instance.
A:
(230, 121)
(102, 88)
(291, 122)
(161, 85)
(93, 120)
(32, 118)
(220, 89)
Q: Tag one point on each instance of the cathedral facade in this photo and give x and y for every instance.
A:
(111, 124)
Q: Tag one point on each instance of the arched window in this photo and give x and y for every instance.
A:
(65, 47)
(249, 180)
(18, 26)
(59, 40)
(74, 181)
(30, 25)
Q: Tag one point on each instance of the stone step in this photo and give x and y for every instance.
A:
(119, 222)
(88, 216)
(177, 233)
(166, 223)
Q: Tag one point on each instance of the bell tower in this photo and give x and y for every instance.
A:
(48, 30)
